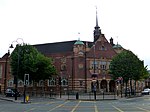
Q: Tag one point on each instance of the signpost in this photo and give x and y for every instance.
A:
(94, 84)
(26, 82)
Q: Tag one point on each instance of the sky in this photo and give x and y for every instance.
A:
(47, 21)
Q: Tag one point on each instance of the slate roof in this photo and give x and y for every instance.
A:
(57, 47)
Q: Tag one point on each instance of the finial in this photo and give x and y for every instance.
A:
(96, 17)
(96, 9)
(117, 40)
(78, 36)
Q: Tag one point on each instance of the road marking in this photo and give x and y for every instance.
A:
(143, 109)
(117, 108)
(36, 103)
(58, 106)
(96, 109)
(30, 110)
(76, 106)
(49, 103)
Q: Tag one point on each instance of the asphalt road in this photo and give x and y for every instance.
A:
(139, 104)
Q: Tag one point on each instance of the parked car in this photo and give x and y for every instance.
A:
(10, 92)
(146, 91)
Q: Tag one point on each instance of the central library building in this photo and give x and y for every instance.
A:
(81, 65)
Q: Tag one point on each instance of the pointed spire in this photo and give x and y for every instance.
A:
(97, 31)
(96, 27)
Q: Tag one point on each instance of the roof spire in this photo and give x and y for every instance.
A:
(97, 31)
(96, 19)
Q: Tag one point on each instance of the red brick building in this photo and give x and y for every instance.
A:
(78, 63)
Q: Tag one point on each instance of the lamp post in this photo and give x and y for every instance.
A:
(59, 81)
(94, 76)
(16, 75)
(94, 57)
(85, 71)
(72, 74)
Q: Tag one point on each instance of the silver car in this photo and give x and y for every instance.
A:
(146, 91)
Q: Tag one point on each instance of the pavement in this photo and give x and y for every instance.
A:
(63, 97)
(11, 99)
(31, 99)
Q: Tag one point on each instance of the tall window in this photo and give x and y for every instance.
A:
(95, 63)
(103, 65)
(108, 64)
(0, 71)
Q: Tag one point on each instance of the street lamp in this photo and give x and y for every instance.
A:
(72, 74)
(59, 81)
(94, 57)
(16, 75)
(85, 71)
(94, 76)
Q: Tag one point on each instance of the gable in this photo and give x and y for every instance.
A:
(103, 49)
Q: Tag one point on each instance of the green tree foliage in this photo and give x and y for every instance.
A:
(127, 65)
(44, 68)
(27, 60)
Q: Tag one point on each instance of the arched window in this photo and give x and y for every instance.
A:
(64, 82)
(20, 83)
(41, 83)
(52, 81)
(10, 83)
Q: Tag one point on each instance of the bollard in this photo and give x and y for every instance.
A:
(27, 98)
(77, 96)
(94, 95)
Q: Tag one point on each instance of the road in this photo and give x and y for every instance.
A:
(139, 104)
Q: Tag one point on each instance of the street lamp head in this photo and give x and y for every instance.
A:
(11, 46)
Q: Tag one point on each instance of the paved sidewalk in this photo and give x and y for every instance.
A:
(12, 99)
(58, 97)
(31, 99)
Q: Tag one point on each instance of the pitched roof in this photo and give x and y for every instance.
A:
(57, 47)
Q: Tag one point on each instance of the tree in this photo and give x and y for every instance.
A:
(27, 60)
(44, 68)
(128, 66)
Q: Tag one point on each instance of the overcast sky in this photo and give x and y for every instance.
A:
(46, 21)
